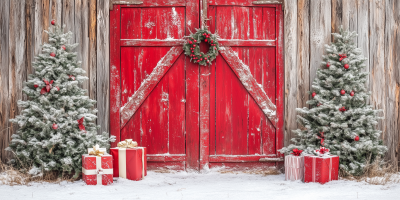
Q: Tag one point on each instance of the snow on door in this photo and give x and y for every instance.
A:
(245, 85)
(153, 85)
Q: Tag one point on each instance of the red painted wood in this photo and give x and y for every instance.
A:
(279, 81)
(166, 158)
(242, 166)
(152, 42)
(269, 23)
(238, 158)
(205, 73)
(237, 3)
(212, 123)
(130, 23)
(157, 3)
(149, 83)
(166, 166)
(250, 43)
(115, 78)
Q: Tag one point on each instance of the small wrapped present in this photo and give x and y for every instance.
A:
(97, 167)
(322, 168)
(129, 160)
(294, 166)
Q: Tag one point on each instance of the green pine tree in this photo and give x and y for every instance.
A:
(50, 137)
(338, 111)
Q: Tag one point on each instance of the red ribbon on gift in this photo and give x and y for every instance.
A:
(296, 152)
(47, 87)
(80, 124)
(342, 56)
(321, 137)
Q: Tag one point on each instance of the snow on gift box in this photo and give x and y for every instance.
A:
(322, 168)
(294, 166)
(129, 161)
(97, 167)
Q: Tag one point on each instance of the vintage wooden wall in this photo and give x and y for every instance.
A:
(308, 24)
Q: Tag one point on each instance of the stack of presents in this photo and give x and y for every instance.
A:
(127, 161)
(320, 168)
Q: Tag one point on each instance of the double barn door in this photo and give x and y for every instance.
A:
(229, 114)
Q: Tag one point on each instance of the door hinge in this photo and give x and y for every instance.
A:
(124, 2)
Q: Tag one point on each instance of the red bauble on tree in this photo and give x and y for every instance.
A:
(313, 94)
(53, 22)
(63, 47)
(342, 92)
(357, 138)
(352, 93)
(328, 65)
(346, 66)
(55, 126)
(52, 54)
(36, 86)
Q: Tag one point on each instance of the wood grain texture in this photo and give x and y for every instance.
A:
(17, 58)
(30, 40)
(291, 65)
(92, 64)
(56, 10)
(103, 65)
(391, 67)
(363, 33)
(81, 34)
(68, 18)
(4, 80)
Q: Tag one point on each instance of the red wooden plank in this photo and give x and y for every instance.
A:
(242, 166)
(256, 24)
(166, 166)
(238, 158)
(224, 76)
(243, 73)
(239, 3)
(268, 137)
(130, 23)
(269, 72)
(211, 24)
(279, 80)
(242, 22)
(115, 90)
(192, 93)
(157, 3)
(204, 113)
(224, 22)
(152, 42)
(148, 84)
(249, 43)
(149, 23)
(269, 22)
(166, 158)
(239, 116)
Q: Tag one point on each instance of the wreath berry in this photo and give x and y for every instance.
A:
(192, 47)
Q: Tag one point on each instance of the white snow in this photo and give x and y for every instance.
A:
(211, 185)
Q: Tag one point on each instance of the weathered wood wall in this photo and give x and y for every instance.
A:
(308, 26)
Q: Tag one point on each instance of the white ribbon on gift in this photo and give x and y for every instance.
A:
(122, 162)
(98, 171)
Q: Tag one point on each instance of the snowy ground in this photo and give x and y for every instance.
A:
(212, 185)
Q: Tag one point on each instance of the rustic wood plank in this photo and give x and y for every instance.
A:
(291, 66)
(337, 16)
(30, 40)
(148, 84)
(391, 69)
(4, 80)
(17, 58)
(56, 10)
(363, 33)
(151, 42)
(92, 65)
(103, 70)
(241, 42)
(68, 19)
(343, 14)
(243, 73)
(81, 35)
(377, 58)
(320, 33)
(42, 21)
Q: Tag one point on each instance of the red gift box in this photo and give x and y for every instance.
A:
(129, 163)
(321, 169)
(294, 167)
(97, 170)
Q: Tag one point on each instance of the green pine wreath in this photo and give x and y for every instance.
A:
(192, 49)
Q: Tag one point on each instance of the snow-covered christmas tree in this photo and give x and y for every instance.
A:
(339, 117)
(57, 123)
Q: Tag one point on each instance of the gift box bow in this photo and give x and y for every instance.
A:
(322, 151)
(296, 152)
(128, 143)
(96, 151)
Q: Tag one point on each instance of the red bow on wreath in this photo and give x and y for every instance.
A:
(47, 87)
(321, 137)
(342, 56)
(80, 124)
(296, 152)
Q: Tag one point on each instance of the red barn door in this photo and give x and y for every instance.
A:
(245, 86)
(154, 87)
(189, 116)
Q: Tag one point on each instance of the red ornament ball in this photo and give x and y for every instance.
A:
(212, 41)
(342, 92)
(194, 45)
(346, 66)
(63, 47)
(192, 51)
(53, 22)
(352, 93)
(328, 65)
(215, 48)
(313, 94)
(198, 60)
(190, 42)
(55, 126)
(357, 138)
(195, 40)
(36, 86)
(205, 40)
(52, 54)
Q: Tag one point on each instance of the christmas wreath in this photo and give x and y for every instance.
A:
(192, 47)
